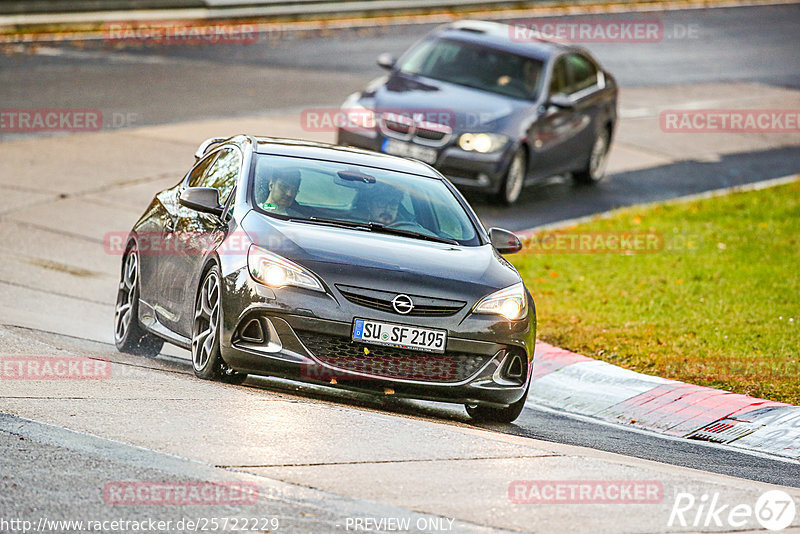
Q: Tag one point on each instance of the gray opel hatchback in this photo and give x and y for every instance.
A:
(329, 265)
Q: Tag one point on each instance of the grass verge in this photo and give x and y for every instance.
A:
(707, 292)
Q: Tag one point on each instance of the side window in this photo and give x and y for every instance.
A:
(221, 174)
(581, 73)
(558, 82)
(197, 173)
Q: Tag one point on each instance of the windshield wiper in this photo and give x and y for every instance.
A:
(333, 222)
(374, 227)
(382, 228)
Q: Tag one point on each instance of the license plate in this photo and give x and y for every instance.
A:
(409, 150)
(400, 336)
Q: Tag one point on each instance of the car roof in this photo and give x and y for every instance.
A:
(498, 35)
(279, 146)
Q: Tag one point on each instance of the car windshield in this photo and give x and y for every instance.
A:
(363, 198)
(475, 66)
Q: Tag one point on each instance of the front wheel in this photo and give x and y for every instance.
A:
(129, 336)
(596, 168)
(497, 415)
(514, 179)
(207, 361)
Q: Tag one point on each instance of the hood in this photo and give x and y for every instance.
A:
(462, 108)
(381, 261)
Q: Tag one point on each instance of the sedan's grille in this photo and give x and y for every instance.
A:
(389, 362)
(382, 300)
(401, 126)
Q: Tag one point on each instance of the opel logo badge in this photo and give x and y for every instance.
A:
(403, 304)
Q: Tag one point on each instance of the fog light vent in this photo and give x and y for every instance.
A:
(253, 332)
(514, 369)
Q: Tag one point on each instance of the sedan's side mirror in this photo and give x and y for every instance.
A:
(561, 101)
(203, 199)
(504, 241)
(386, 61)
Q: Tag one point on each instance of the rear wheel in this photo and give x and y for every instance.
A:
(596, 167)
(207, 361)
(497, 415)
(129, 336)
(514, 179)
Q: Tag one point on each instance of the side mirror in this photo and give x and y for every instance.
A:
(202, 199)
(386, 61)
(203, 148)
(504, 241)
(561, 101)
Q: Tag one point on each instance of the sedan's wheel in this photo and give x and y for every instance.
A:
(206, 359)
(498, 415)
(596, 168)
(129, 336)
(512, 184)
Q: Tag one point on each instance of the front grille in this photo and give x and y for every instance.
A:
(405, 128)
(382, 300)
(389, 362)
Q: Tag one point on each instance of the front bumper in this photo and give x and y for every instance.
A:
(266, 335)
(468, 170)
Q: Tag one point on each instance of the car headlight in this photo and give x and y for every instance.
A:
(357, 117)
(275, 271)
(482, 142)
(510, 302)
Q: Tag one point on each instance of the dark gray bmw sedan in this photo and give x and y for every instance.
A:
(491, 111)
(329, 265)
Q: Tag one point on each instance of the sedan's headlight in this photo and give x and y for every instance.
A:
(276, 271)
(357, 117)
(510, 302)
(482, 142)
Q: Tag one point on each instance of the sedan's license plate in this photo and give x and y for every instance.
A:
(409, 150)
(398, 335)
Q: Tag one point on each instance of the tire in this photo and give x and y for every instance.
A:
(514, 180)
(595, 169)
(498, 415)
(129, 336)
(207, 361)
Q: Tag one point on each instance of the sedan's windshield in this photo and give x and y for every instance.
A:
(475, 66)
(361, 198)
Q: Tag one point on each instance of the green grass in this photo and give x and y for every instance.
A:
(718, 305)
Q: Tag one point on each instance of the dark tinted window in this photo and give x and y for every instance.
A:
(558, 82)
(582, 72)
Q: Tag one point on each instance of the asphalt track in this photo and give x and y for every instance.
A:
(752, 49)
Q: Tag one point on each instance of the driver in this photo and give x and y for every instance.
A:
(384, 205)
(283, 187)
